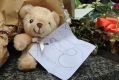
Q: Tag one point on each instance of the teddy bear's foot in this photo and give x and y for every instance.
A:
(4, 54)
(26, 62)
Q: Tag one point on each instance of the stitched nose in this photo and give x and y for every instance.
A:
(39, 25)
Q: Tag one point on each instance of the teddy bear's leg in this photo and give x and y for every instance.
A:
(4, 54)
(26, 62)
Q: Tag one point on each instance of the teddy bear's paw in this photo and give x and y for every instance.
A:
(26, 62)
(4, 54)
(20, 46)
(21, 41)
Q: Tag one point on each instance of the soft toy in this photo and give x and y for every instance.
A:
(6, 34)
(38, 22)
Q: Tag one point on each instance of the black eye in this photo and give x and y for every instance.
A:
(49, 23)
(31, 21)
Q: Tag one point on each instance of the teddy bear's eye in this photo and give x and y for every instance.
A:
(49, 23)
(31, 21)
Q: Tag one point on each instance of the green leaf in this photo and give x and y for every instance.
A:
(77, 3)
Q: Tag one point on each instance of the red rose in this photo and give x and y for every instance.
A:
(116, 6)
(109, 24)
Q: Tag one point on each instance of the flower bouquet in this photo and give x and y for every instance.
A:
(100, 26)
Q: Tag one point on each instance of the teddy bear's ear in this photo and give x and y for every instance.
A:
(24, 10)
(56, 17)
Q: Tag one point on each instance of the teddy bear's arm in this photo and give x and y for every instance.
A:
(21, 41)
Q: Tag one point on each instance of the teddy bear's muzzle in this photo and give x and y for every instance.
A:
(39, 25)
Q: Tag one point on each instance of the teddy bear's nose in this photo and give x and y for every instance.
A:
(39, 25)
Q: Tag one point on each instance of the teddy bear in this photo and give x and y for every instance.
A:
(6, 35)
(38, 22)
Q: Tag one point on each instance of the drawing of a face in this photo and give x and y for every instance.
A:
(66, 60)
(67, 57)
(70, 57)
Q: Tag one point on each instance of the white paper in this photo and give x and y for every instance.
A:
(80, 13)
(64, 53)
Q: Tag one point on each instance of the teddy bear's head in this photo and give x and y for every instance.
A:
(39, 21)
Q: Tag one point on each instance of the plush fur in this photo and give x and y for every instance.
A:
(38, 22)
(6, 33)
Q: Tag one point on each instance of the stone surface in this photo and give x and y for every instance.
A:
(94, 68)
(107, 54)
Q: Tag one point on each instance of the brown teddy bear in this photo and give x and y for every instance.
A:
(6, 33)
(38, 22)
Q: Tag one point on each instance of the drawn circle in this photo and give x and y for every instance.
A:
(66, 60)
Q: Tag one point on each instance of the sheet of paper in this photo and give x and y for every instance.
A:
(80, 13)
(63, 54)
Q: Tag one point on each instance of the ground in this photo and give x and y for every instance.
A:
(94, 68)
